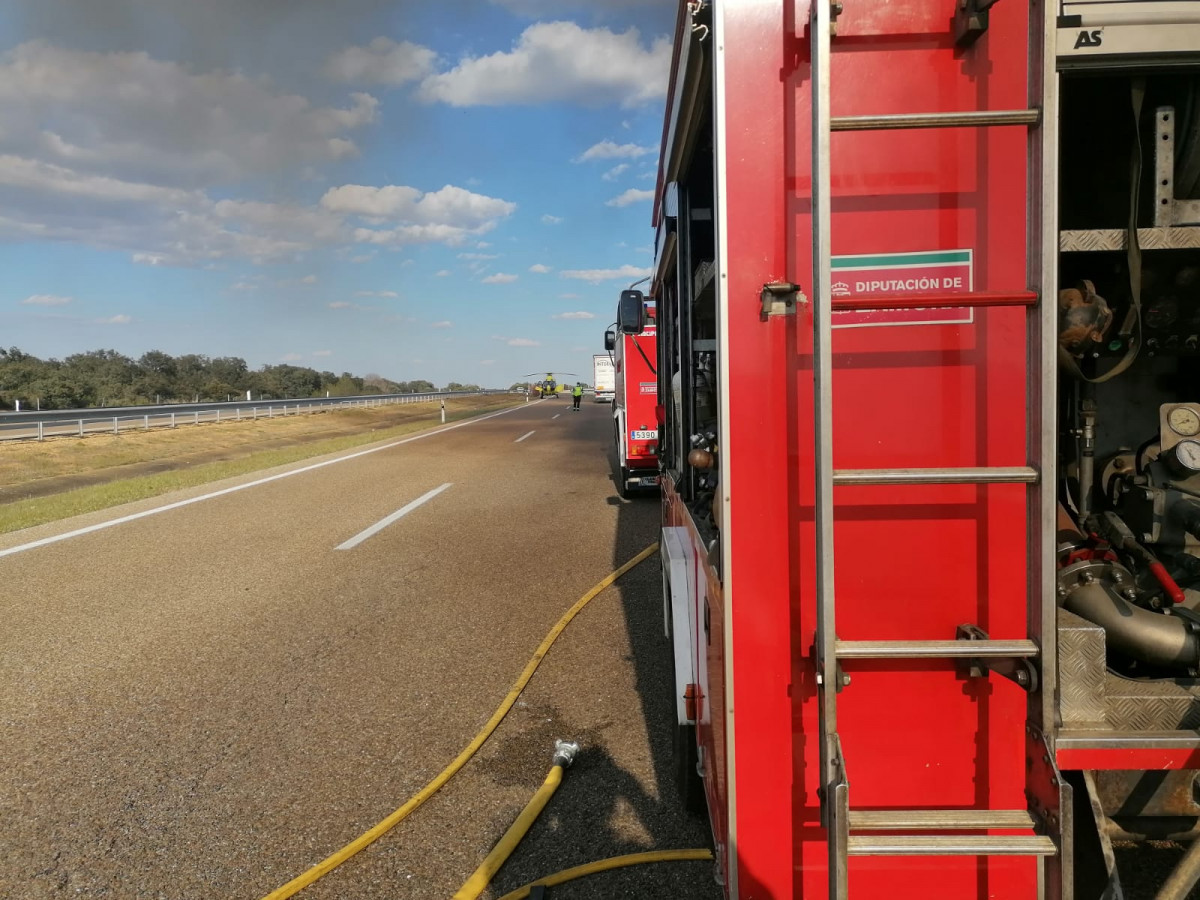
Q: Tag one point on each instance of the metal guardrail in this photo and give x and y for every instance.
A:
(37, 426)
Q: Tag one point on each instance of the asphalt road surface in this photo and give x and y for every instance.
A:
(206, 701)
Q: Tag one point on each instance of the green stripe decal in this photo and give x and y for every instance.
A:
(883, 261)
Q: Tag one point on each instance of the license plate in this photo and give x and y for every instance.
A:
(648, 482)
(643, 435)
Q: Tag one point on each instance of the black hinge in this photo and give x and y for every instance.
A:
(780, 298)
(970, 20)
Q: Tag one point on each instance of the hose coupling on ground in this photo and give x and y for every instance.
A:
(564, 753)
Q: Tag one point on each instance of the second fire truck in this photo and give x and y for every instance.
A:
(634, 406)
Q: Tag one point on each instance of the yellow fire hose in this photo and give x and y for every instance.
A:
(369, 837)
(605, 865)
(564, 755)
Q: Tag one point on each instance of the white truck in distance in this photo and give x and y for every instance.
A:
(603, 377)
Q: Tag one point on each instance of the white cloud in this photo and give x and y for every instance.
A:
(120, 151)
(478, 256)
(128, 115)
(568, 296)
(46, 300)
(487, 362)
(442, 273)
(633, 195)
(443, 324)
(596, 275)
(559, 61)
(322, 353)
(540, 268)
(383, 61)
(387, 295)
(125, 152)
(449, 215)
(290, 357)
(500, 278)
(575, 315)
(609, 150)
(346, 304)
(615, 172)
(119, 319)
(400, 203)
(157, 225)
(309, 279)
(523, 342)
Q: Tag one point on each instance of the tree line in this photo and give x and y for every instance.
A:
(108, 378)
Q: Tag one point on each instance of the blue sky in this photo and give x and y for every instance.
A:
(451, 190)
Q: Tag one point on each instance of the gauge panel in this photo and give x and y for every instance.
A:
(1177, 422)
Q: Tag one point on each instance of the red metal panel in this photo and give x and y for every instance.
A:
(913, 562)
(763, 468)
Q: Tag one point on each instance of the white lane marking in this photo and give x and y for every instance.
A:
(522, 437)
(54, 539)
(388, 520)
(556, 415)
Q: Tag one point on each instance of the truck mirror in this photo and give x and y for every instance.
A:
(631, 312)
(610, 340)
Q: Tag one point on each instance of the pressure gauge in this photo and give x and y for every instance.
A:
(1184, 421)
(1187, 456)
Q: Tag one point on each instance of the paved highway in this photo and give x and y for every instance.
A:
(204, 701)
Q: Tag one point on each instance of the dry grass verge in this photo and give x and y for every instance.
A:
(44, 482)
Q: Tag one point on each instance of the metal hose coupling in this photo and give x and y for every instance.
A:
(565, 753)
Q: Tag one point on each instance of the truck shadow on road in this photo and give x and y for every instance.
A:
(603, 809)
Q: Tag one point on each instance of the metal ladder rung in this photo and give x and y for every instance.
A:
(966, 119)
(936, 300)
(938, 819)
(951, 845)
(989, 649)
(977, 475)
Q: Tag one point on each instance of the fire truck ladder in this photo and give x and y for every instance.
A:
(921, 832)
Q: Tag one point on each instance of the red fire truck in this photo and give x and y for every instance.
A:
(634, 407)
(927, 278)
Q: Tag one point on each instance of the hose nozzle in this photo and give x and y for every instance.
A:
(564, 753)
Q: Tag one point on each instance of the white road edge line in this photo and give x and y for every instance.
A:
(54, 539)
(556, 415)
(522, 437)
(388, 520)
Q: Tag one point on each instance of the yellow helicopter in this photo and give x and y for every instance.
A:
(548, 386)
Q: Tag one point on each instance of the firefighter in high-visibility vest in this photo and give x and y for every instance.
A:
(576, 395)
